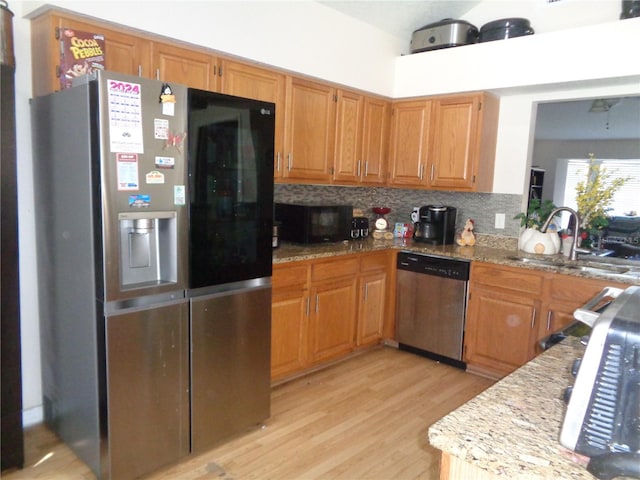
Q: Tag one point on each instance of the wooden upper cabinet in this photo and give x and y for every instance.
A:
(348, 141)
(445, 143)
(453, 141)
(128, 54)
(184, 66)
(362, 128)
(463, 143)
(409, 143)
(249, 81)
(375, 136)
(309, 130)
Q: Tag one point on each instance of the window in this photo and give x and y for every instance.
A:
(626, 199)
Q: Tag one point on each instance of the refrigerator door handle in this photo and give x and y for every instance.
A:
(143, 303)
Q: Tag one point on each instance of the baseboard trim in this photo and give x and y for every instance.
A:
(32, 416)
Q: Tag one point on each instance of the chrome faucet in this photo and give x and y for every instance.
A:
(574, 250)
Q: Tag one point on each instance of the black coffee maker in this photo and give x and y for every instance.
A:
(437, 225)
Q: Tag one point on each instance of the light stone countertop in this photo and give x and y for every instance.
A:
(511, 430)
(492, 250)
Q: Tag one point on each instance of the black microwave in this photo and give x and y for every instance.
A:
(313, 223)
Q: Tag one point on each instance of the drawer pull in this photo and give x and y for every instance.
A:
(533, 318)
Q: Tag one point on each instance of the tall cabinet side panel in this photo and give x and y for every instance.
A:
(62, 127)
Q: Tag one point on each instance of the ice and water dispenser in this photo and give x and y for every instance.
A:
(148, 248)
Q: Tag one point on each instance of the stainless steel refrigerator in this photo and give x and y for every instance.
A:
(134, 359)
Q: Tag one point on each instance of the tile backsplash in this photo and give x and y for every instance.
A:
(481, 207)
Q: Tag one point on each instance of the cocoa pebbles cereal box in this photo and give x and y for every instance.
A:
(81, 53)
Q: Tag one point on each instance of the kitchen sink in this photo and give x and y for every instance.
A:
(615, 269)
(535, 261)
(591, 266)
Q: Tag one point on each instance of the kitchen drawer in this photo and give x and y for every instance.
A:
(288, 275)
(577, 291)
(337, 267)
(374, 262)
(509, 278)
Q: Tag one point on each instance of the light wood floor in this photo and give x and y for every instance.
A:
(365, 418)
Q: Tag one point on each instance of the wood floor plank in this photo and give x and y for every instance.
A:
(364, 418)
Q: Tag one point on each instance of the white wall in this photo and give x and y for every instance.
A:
(306, 37)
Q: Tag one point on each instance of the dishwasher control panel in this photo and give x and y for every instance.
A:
(433, 265)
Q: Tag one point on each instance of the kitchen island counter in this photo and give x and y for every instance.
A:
(511, 430)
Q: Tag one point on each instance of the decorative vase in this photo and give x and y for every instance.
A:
(534, 241)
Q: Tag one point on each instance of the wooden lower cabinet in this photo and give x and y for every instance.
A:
(289, 318)
(563, 294)
(510, 309)
(504, 331)
(288, 331)
(332, 319)
(325, 309)
(371, 290)
(502, 317)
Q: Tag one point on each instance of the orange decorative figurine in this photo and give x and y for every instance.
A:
(467, 237)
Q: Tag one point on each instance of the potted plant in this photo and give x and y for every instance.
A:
(531, 239)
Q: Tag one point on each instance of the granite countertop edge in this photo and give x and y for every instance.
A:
(495, 253)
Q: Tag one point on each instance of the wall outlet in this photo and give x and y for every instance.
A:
(500, 218)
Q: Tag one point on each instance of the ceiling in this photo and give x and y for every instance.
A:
(401, 17)
(573, 121)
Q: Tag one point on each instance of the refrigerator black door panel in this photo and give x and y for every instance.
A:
(230, 364)
(231, 188)
(148, 389)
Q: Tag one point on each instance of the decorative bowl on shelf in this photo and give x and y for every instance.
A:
(381, 210)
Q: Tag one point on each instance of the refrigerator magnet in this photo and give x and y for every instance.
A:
(179, 195)
(127, 168)
(139, 201)
(154, 177)
(167, 99)
(160, 128)
(165, 162)
(175, 140)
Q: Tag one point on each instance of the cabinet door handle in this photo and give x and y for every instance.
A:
(366, 291)
(139, 70)
(366, 168)
(317, 303)
(359, 163)
(278, 162)
(549, 315)
(308, 305)
(432, 171)
(157, 74)
(421, 172)
(289, 160)
(533, 318)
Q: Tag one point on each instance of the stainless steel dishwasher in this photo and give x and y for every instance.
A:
(431, 301)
